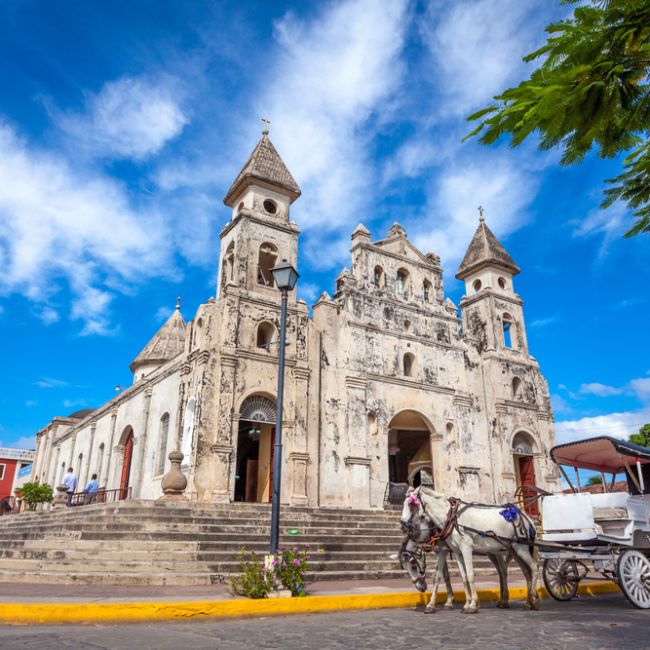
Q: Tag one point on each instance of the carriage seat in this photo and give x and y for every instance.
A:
(609, 513)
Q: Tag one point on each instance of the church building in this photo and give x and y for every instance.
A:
(386, 381)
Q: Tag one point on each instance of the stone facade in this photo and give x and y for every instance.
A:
(386, 381)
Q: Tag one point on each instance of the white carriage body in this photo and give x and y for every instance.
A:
(612, 517)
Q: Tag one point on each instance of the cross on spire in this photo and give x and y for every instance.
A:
(481, 210)
(178, 303)
(266, 122)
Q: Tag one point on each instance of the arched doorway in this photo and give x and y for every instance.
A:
(409, 450)
(127, 441)
(255, 450)
(522, 449)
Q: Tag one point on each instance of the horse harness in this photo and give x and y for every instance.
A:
(440, 532)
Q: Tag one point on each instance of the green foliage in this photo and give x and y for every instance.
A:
(643, 437)
(595, 480)
(35, 493)
(254, 581)
(590, 91)
(292, 569)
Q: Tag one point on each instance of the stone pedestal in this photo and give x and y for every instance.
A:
(61, 497)
(173, 483)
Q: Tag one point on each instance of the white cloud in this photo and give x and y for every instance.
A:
(334, 75)
(162, 314)
(24, 442)
(618, 425)
(543, 322)
(62, 225)
(602, 390)
(497, 182)
(308, 291)
(49, 382)
(559, 404)
(477, 46)
(129, 118)
(72, 403)
(641, 388)
(49, 316)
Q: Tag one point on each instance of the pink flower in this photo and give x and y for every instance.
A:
(296, 562)
(275, 561)
(308, 557)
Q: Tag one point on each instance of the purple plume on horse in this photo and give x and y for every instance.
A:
(510, 513)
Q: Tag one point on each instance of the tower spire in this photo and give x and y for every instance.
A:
(266, 122)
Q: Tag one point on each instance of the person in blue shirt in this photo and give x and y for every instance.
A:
(91, 490)
(70, 482)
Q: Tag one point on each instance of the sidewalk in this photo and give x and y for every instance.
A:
(31, 604)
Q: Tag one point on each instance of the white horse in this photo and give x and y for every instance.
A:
(413, 560)
(468, 528)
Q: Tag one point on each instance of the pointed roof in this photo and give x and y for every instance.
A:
(168, 342)
(265, 165)
(485, 250)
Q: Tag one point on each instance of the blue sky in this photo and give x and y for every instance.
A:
(122, 125)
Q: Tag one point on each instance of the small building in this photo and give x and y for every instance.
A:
(15, 470)
(386, 381)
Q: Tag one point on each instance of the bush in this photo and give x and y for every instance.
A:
(35, 493)
(255, 581)
(292, 569)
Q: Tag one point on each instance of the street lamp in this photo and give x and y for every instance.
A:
(285, 277)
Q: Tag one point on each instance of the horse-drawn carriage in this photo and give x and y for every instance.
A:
(607, 533)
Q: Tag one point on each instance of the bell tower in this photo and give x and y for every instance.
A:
(260, 233)
(492, 311)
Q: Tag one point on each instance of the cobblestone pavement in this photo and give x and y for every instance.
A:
(590, 623)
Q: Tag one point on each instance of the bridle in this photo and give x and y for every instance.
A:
(437, 532)
(419, 559)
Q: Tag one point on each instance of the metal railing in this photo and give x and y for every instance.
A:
(101, 496)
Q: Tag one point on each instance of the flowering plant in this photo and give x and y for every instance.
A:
(291, 567)
(255, 580)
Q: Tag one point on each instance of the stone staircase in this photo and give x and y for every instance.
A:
(172, 543)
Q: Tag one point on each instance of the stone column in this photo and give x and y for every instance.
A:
(223, 447)
(109, 451)
(88, 471)
(139, 465)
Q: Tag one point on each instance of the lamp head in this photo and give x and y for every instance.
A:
(285, 276)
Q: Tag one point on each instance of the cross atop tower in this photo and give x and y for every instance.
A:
(266, 122)
(481, 210)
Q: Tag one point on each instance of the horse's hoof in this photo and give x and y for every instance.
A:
(470, 610)
(449, 606)
(503, 605)
(429, 610)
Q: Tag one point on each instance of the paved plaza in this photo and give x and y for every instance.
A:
(589, 622)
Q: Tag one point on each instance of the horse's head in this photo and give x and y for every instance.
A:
(414, 521)
(412, 560)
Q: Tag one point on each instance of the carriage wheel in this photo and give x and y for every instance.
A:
(561, 578)
(633, 572)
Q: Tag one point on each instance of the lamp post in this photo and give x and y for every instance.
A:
(285, 277)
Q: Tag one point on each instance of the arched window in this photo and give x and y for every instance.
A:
(477, 285)
(80, 460)
(407, 325)
(265, 335)
(402, 281)
(409, 365)
(427, 291)
(522, 445)
(265, 262)
(502, 283)
(100, 462)
(507, 331)
(162, 443)
(378, 277)
(516, 387)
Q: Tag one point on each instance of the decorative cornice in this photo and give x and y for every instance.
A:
(357, 460)
(399, 381)
(513, 404)
(301, 373)
(463, 400)
(221, 448)
(356, 382)
(299, 455)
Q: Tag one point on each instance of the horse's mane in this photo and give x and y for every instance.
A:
(431, 492)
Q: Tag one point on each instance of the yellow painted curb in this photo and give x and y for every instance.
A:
(54, 613)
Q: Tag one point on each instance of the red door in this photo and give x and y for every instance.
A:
(527, 477)
(271, 465)
(126, 466)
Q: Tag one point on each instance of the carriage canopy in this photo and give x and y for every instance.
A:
(602, 454)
